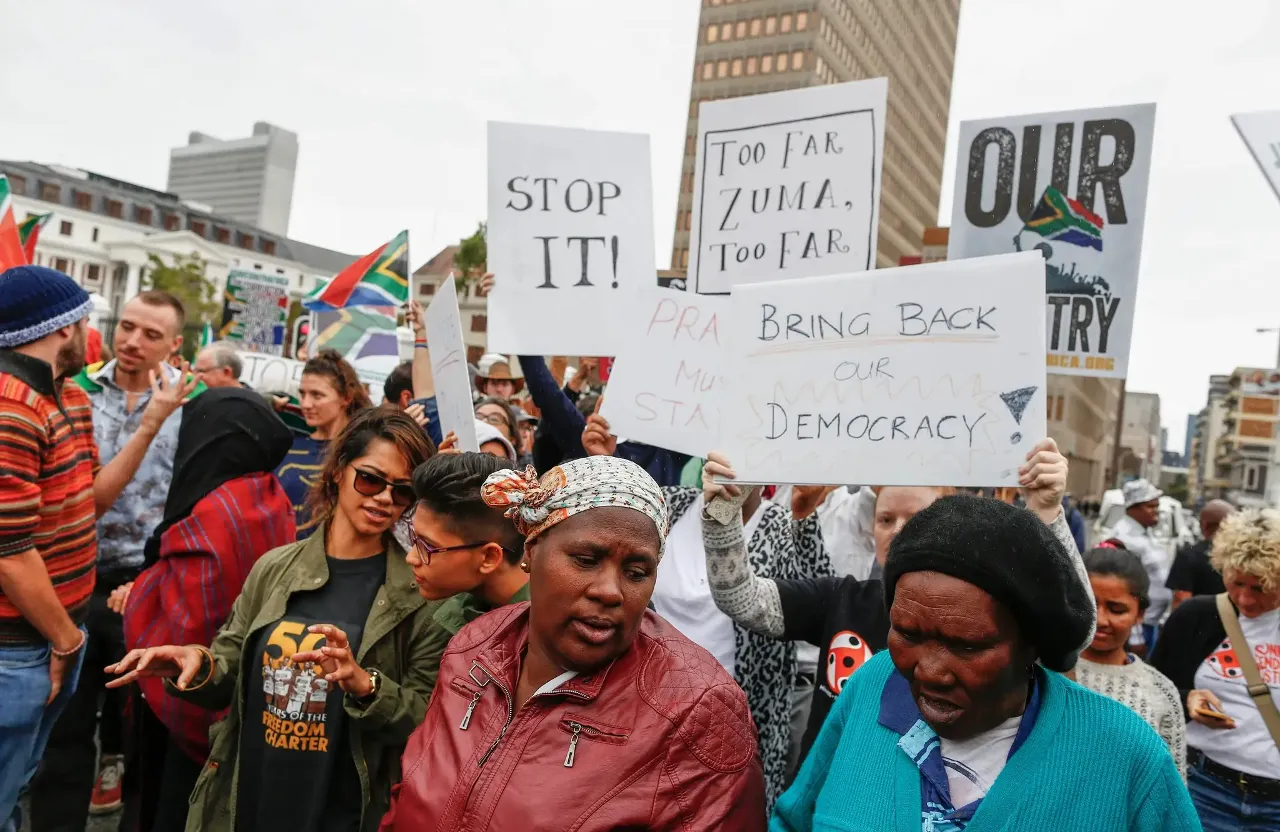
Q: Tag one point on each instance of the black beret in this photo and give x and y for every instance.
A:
(1010, 554)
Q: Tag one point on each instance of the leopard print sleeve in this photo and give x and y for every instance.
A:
(751, 601)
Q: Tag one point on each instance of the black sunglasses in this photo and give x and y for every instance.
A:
(426, 550)
(371, 485)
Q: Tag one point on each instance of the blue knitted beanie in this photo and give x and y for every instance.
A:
(35, 301)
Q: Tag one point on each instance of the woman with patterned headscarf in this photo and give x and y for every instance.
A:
(581, 709)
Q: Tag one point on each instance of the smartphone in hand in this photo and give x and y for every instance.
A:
(1217, 716)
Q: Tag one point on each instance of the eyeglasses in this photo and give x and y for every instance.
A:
(494, 419)
(371, 485)
(426, 550)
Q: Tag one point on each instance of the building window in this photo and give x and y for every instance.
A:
(50, 192)
(426, 289)
(115, 208)
(802, 21)
(708, 70)
(784, 25)
(198, 228)
(770, 25)
(722, 69)
(92, 273)
(752, 65)
(18, 184)
(740, 31)
(222, 235)
(736, 69)
(171, 222)
(479, 323)
(713, 33)
(64, 228)
(269, 247)
(60, 263)
(726, 31)
(781, 64)
(142, 215)
(95, 235)
(244, 240)
(766, 64)
(797, 59)
(83, 200)
(755, 28)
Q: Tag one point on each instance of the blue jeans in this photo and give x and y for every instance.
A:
(1222, 807)
(25, 721)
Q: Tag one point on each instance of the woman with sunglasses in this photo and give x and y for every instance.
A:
(463, 551)
(322, 662)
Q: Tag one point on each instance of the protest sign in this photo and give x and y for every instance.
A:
(923, 375)
(1261, 134)
(787, 184)
(269, 373)
(365, 336)
(449, 366)
(665, 390)
(255, 311)
(1072, 186)
(570, 237)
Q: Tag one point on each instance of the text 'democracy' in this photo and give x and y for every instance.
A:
(925, 375)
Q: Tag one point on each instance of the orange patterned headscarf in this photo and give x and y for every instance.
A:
(536, 505)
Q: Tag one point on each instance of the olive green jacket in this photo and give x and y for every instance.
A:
(394, 642)
(451, 615)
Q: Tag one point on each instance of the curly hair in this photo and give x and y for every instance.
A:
(1249, 541)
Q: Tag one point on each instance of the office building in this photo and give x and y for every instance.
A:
(1245, 462)
(1082, 420)
(1207, 431)
(250, 180)
(1141, 438)
(749, 47)
(103, 232)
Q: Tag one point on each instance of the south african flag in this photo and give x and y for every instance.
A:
(29, 233)
(1058, 217)
(380, 278)
(11, 253)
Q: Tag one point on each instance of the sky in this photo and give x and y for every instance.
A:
(390, 100)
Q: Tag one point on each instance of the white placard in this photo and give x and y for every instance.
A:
(449, 366)
(1072, 185)
(1261, 133)
(665, 388)
(570, 237)
(787, 184)
(923, 375)
(272, 374)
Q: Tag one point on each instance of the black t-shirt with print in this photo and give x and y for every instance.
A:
(1192, 572)
(297, 770)
(845, 618)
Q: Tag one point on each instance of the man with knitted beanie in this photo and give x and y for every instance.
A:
(48, 542)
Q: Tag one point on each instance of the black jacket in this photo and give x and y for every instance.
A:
(1192, 633)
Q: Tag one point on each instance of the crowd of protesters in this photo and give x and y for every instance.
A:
(214, 616)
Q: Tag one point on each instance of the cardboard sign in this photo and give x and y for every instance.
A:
(449, 366)
(269, 373)
(923, 375)
(1261, 134)
(787, 184)
(1072, 186)
(665, 390)
(570, 237)
(255, 311)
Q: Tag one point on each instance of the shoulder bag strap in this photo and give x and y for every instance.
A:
(1258, 689)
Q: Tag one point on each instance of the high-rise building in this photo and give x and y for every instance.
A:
(250, 180)
(747, 47)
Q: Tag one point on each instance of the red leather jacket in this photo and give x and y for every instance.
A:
(660, 739)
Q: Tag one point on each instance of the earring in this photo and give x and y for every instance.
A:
(524, 564)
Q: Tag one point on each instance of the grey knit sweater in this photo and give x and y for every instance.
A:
(1145, 691)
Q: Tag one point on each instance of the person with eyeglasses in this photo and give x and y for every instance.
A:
(464, 552)
(323, 662)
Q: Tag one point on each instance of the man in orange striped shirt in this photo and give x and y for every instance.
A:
(48, 541)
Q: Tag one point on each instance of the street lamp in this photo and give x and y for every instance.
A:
(1262, 329)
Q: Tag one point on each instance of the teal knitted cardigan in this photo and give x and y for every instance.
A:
(1089, 765)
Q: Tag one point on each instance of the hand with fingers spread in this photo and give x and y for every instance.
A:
(180, 662)
(119, 598)
(337, 661)
(597, 439)
(166, 396)
(1044, 480)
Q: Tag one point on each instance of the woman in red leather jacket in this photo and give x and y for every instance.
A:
(582, 710)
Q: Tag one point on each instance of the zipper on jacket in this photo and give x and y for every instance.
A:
(466, 718)
(573, 744)
(577, 729)
(511, 708)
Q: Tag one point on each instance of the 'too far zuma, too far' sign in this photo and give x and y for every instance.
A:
(667, 382)
(787, 184)
(923, 375)
(570, 237)
(1072, 186)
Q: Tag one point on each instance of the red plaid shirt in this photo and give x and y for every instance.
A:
(186, 596)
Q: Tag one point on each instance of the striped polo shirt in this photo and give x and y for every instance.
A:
(48, 460)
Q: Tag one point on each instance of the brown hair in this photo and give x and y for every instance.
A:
(384, 422)
(331, 365)
(159, 297)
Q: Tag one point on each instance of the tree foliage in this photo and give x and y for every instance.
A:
(186, 280)
(473, 254)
